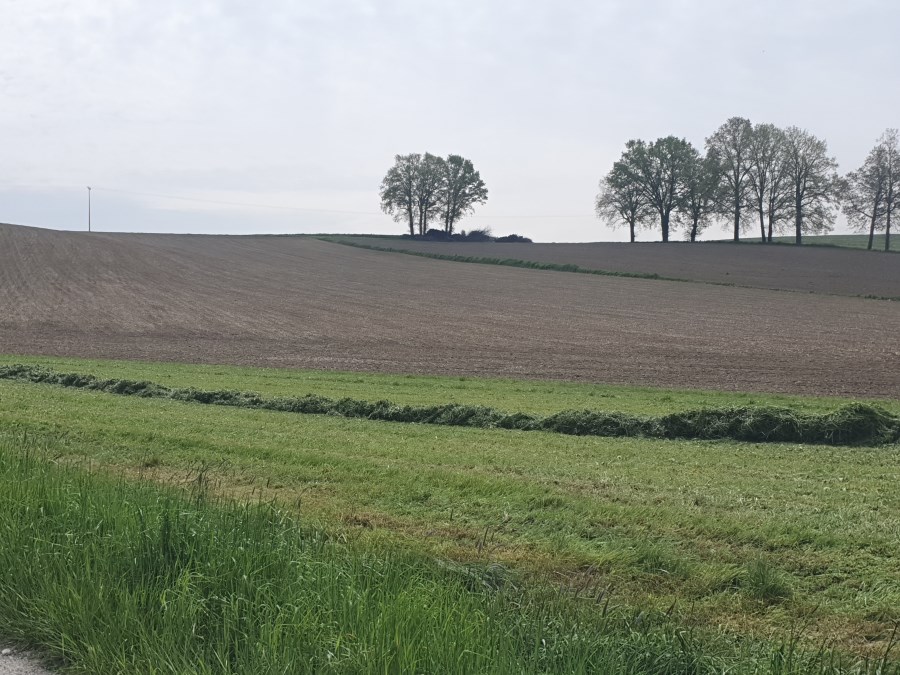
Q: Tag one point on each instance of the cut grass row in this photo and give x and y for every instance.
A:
(534, 397)
(852, 424)
(750, 538)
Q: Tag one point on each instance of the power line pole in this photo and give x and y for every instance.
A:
(89, 208)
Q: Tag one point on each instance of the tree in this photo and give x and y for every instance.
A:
(863, 194)
(621, 199)
(812, 180)
(700, 185)
(766, 174)
(729, 147)
(460, 189)
(659, 169)
(399, 190)
(428, 184)
(891, 144)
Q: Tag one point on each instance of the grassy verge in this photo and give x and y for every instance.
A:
(533, 397)
(137, 579)
(852, 424)
(753, 540)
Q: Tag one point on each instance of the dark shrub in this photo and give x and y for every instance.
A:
(513, 239)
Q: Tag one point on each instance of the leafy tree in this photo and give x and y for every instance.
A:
(812, 180)
(766, 174)
(729, 147)
(460, 189)
(700, 184)
(863, 194)
(621, 199)
(429, 179)
(891, 144)
(659, 170)
(399, 190)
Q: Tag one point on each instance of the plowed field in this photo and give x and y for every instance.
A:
(300, 302)
(815, 269)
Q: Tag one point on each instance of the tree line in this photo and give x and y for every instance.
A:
(781, 180)
(420, 188)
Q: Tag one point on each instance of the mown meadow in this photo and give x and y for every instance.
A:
(702, 556)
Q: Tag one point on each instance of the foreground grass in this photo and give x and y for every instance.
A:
(535, 397)
(131, 578)
(756, 540)
(112, 577)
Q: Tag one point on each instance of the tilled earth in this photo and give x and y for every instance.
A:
(814, 269)
(301, 302)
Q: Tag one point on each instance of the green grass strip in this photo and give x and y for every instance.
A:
(111, 576)
(852, 424)
(515, 262)
(571, 267)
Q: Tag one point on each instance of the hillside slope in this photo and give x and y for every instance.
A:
(300, 302)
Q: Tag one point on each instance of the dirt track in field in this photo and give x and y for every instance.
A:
(816, 269)
(299, 302)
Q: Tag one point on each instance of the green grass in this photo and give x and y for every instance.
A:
(533, 397)
(749, 538)
(836, 240)
(852, 424)
(513, 262)
(134, 578)
(107, 576)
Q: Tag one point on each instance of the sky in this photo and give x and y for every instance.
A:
(223, 116)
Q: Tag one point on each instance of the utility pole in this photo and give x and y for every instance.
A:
(89, 208)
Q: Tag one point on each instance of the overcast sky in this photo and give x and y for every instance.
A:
(302, 104)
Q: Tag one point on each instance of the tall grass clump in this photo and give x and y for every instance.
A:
(110, 576)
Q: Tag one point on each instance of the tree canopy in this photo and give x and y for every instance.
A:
(779, 178)
(420, 188)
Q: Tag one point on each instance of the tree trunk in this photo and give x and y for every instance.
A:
(694, 231)
(631, 228)
(887, 229)
(798, 226)
(737, 223)
(412, 224)
(762, 225)
(664, 221)
(872, 229)
(771, 226)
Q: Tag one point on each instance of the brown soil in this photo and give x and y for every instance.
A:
(816, 269)
(300, 302)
